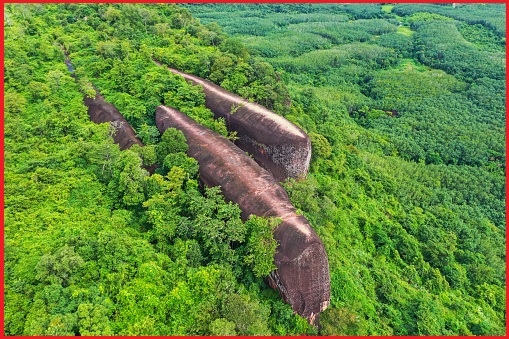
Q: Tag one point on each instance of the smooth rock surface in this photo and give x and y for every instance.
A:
(277, 144)
(302, 275)
(101, 111)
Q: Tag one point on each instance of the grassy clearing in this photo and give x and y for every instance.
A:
(411, 65)
(405, 31)
(387, 8)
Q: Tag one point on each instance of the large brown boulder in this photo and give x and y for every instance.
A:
(101, 111)
(278, 145)
(302, 275)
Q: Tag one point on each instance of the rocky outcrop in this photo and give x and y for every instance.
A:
(101, 111)
(302, 275)
(278, 145)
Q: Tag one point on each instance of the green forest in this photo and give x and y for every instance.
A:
(405, 108)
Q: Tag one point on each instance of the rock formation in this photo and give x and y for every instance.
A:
(101, 111)
(278, 145)
(302, 275)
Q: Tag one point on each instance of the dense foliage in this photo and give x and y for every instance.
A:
(405, 108)
(93, 244)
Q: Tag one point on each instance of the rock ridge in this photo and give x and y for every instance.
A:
(302, 275)
(275, 143)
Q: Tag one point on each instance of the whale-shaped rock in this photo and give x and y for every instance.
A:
(275, 143)
(101, 111)
(302, 275)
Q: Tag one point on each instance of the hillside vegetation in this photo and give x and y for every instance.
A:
(405, 107)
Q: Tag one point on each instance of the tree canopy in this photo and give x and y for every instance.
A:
(405, 108)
